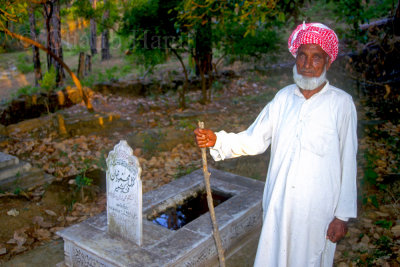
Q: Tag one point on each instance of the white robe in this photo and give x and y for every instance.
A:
(311, 176)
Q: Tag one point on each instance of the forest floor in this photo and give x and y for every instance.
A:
(166, 151)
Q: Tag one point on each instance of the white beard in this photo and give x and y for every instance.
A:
(308, 83)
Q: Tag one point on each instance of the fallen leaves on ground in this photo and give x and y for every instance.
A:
(62, 158)
(43, 230)
(373, 237)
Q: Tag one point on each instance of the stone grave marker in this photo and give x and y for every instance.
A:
(124, 194)
(7, 160)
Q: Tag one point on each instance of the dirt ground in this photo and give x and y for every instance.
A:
(166, 156)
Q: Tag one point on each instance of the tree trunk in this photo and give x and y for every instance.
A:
(203, 50)
(35, 50)
(203, 55)
(47, 13)
(81, 65)
(396, 23)
(88, 65)
(105, 46)
(55, 40)
(93, 32)
(182, 93)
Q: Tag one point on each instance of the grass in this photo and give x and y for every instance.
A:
(24, 63)
(260, 98)
(115, 68)
(27, 90)
(185, 170)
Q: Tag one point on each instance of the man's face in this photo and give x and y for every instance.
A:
(311, 60)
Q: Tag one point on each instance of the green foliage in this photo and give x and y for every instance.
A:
(27, 90)
(101, 162)
(111, 73)
(147, 59)
(49, 80)
(12, 10)
(17, 191)
(83, 8)
(249, 13)
(186, 124)
(82, 180)
(353, 13)
(384, 224)
(384, 247)
(125, 70)
(151, 142)
(150, 27)
(89, 81)
(185, 170)
(238, 28)
(370, 179)
(373, 200)
(217, 86)
(24, 64)
(146, 20)
(114, 8)
(235, 42)
(76, 49)
(101, 77)
(357, 12)
(370, 175)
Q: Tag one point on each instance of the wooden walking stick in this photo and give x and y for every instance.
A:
(210, 203)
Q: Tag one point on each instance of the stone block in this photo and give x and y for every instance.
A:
(15, 170)
(7, 160)
(239, 219)
(26, 180)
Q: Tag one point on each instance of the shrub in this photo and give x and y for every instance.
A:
(49, 80)
(24, 64)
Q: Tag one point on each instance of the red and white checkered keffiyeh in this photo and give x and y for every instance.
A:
(314, 33)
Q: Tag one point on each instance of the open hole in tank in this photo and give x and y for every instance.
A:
(191, 208)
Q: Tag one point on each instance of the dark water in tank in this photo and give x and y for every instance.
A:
(194, 206)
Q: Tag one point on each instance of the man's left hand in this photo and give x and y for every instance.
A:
(337, 230)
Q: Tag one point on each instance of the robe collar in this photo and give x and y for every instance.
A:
(323, 90)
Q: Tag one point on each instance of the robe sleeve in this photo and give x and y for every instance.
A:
(255, 140)
(347, 203)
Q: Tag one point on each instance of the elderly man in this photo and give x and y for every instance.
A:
(310, 190)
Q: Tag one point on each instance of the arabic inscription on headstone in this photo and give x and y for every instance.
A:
(124, 194)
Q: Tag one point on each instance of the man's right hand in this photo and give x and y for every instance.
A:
(205, 137)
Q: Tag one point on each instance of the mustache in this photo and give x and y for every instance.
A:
(308, 83)
(306, 71)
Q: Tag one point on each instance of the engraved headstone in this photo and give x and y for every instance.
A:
(124, 194)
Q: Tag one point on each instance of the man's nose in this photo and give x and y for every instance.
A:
(307, 63)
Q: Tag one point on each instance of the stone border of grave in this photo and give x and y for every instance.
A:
(18, 174)
(239, 219)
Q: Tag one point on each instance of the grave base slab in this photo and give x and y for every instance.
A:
(239, 219)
